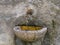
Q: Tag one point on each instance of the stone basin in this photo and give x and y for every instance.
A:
(29, 35)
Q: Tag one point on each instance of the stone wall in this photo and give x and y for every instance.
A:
(48, 12)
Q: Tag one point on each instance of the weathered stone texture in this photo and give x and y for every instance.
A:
(6, 34)
(48, 12)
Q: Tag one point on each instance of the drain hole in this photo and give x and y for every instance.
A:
(29, 12)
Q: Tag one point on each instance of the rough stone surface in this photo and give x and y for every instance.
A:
(48, 12)
(6, 34)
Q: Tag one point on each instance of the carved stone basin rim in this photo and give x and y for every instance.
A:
(29, 35)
